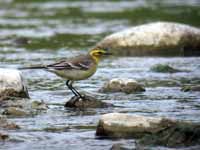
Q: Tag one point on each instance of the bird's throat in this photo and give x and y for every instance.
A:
(95, 58)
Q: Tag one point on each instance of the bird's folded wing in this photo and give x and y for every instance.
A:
(63, 65)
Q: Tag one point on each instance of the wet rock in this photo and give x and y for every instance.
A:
(122, 85)
(12, 85)
(159, 38)
(87, 102)
(190, 88)
(14, 111)
(3, 136)
(149, 130)
(164, 69)
(4, 124)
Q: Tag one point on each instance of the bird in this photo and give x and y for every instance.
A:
(76, 68)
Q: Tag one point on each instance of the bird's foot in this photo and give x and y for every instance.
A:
(81, 97)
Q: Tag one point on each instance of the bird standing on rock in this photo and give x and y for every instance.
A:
(77, 68)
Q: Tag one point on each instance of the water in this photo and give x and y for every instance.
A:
(38, 31)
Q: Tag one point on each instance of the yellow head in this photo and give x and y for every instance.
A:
(97, 54)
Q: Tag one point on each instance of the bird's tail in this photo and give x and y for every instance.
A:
(32, 67)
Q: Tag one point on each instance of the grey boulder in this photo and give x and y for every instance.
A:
(157, 38)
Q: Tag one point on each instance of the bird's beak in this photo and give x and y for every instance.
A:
(107, 54)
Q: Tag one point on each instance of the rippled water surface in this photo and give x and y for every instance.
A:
(41, 32)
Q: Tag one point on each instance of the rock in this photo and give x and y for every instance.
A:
(88, 102)
(7, 125)
(119, 146)
(3, 136)
(164, 69)
(190, 88)
(21, 41)
(22, 107)
(127, 125)
(39, 105)
(57, 129)
(158, 38)
(180, 134)
(149, 130)
(12, 84)
(14, 111)
(122, 85)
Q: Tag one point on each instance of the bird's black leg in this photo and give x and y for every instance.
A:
(78, 94)
(71, 88)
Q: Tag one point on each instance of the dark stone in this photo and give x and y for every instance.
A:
(21, 41)
(3, 137)
(87, 102)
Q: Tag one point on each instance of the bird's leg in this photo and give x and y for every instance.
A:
(71, 88)
(78, 94)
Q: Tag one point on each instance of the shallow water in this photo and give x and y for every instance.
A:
(39, 31)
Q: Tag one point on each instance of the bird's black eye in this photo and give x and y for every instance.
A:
(100, 53)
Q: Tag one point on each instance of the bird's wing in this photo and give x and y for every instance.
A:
(76, 64)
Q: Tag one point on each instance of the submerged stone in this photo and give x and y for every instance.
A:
(39, 105)
(158, 38)
(122, 85)
(4, 124)
(22, 107)
(190, 88)
(119, 146)
(87, 102)
(57, 129)
(149, 130)
(14, 111)
(12, 85)
(162, 68)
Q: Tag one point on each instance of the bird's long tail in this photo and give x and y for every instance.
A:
(32, 67)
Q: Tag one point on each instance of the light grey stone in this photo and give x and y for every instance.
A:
(158, 38)
(12, 84)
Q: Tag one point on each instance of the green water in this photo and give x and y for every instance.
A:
(43, 31)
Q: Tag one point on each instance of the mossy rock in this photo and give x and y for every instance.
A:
(11, 94)
(162, 68)
(178, 135)
(190, 88)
